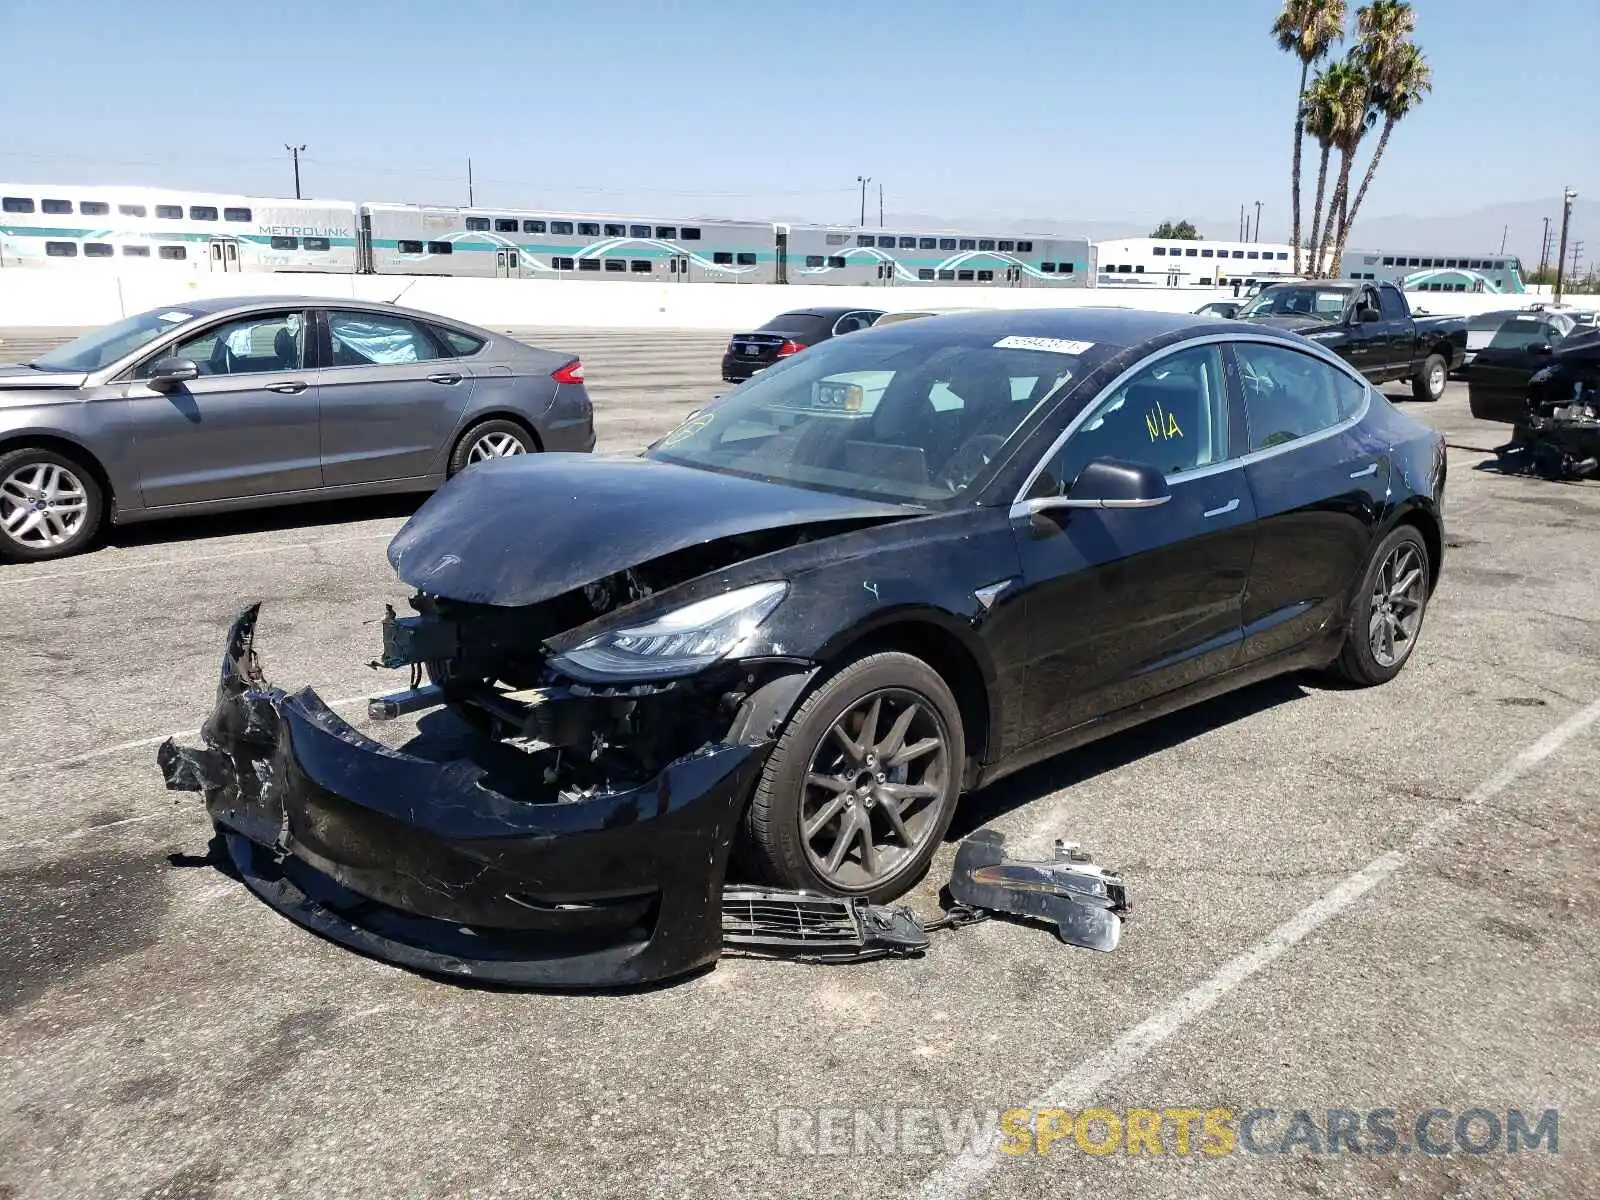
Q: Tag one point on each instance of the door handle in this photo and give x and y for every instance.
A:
(286, 389)
(1224, 510)
(1369, 469)
(445, 377)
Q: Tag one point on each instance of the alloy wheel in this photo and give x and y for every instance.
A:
(1397, 600)
(874, 789)
(495, 445)
(42, 505)
(1436, 379)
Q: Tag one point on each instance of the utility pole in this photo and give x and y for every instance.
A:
(863, 180)
(1577, 256)
(1256, 236)
(1568, 195)
(1243, 224)
(294, 151)
(469, 181)
(880, 206)
(1544, 247)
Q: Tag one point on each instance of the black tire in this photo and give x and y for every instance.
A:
(21, 464)
(1429, 382)
(1359, 662)
(460, 457)
(774, 845)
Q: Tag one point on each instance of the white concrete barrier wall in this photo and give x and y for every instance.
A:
(37, 298)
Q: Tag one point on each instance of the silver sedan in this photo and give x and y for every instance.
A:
(223, 404)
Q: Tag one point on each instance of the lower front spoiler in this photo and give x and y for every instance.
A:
(438, 867)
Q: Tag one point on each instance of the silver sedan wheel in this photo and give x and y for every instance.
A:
(42, 505)
(495, 445)
(1397, 600)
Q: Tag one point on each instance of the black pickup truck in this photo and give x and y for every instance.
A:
(1370, 326)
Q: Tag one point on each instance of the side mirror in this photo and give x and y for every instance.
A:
(1366, 314)
(1109, 483)
(168, 373)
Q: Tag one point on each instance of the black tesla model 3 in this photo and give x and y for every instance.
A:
(885, 572)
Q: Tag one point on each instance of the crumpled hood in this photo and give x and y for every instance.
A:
(519, 530)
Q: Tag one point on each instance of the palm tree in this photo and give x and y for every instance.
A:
(1306, 29)
(1400, 76)
(1353, 115)
(1319, 118)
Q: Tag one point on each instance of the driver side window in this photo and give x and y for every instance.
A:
(1171, 415)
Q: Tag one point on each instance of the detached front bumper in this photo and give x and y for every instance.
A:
(436, 867)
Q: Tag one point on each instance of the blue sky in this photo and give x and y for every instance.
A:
(1083, 110)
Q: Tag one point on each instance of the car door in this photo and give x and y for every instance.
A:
(246, 426)
(1319, 480)
(1126, 604)
(1497, 383)
(1399, 343)
(392, 395)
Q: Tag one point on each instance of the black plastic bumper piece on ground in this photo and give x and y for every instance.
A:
(1086, 902)
(427, 865)
(816, 928)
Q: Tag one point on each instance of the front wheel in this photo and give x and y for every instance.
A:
(1429, 382)
(50, 506)
(862, 784)
(1387, 615)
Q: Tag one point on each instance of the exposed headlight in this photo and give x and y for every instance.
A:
(679, 642)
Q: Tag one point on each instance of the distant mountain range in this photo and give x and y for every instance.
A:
(1478, 231)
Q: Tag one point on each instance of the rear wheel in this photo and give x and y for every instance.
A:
(50, 505)
(1428, 384)
(490, 439)
(1387, 617)
(860, 788)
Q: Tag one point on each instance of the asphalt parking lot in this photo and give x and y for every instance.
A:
(1354, 900)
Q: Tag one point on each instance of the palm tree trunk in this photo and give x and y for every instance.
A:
(1335, 208)
(1372, 169)
(1316, 215)
(1299, 137)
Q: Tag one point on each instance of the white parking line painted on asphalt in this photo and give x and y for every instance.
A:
(193, 560)
(1075, 1089)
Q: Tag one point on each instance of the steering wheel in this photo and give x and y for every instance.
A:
(971, 457)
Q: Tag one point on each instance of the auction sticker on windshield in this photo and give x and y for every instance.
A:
(1047, 344)
(175, 316)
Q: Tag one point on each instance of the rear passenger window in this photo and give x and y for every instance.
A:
(457, 343)
(16, 204)
(236, 214)
(441, 248)
(362, 339)
(93, 208)
(1289, 395)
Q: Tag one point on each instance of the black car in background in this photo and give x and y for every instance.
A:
(789, 333)
(1504, 350)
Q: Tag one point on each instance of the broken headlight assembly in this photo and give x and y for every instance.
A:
(676, 643)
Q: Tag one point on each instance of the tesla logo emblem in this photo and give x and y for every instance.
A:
(448, 560)
(1161, 425)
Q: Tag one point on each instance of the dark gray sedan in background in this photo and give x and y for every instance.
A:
(222, 404)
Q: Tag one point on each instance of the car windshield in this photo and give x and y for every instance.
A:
(105, 346)
(1322, 304)
(888, 415)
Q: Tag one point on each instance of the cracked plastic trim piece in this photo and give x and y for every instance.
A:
(1086, 902)
(811, 927)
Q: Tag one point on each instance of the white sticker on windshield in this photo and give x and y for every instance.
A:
(1048, 345)
(175, 316)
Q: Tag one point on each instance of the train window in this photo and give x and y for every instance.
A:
(834, 239)
(925, 273)
(561, 263)
(639, 231)
(202, 212)
(985, 276)
(131, 210)
(459, 344)
(968, 244)
(1124, 269)
(563, 227)
(236, 214)
(616, 264)
(1253, 254)
(1065, 268)
(1024, 247)
(1049, 268)
(588, 264)
(1159, 251)
(136, 252)
(1238, 253)
(61, 249)
(1205, 253)
(985, 243)
(1388, 262)
(616, 230)
(169, 212)
(318, 243)
(866, 239)
(947, 275)
(93, 208)
(927, 243)
(964, 276)
(908, 243)
(56, 206)
(589, 228)
(293, 243)
(1413, 262)
(533, 227)
(404, 246)
(641, 266)
(172, 253)
(746, 258)
(1005, 245)
(1283, 255)
(815, 260)
(722, 258)
(477, 224)
(947, 243)
(97, 250)
(689, 234)
(16, 204)
(441, 248)
(506, 224)
(836, 261)
(669, 232)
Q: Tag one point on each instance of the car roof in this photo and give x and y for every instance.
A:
(824, 312)
(1102, 326)
(222, 304)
